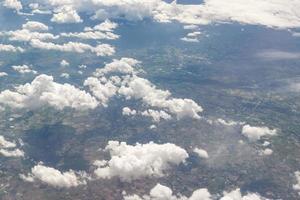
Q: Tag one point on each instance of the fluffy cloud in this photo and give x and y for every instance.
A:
(106, 26)
(35, 26)
(44, 91)
(3, 74)
(26, 35)
(54, 177)
(13, 4)
(140, 88)
(65, 75)
(270, 13)
(23, 69)
(6, 144)
(100, 50)
(94, 35)
(102, 91)
(128, 111)
(130, 86)
(64, 63)
(156, 115)
(201, 153)
(6, 148)
(236, 195)
(255, 133)
(10, 48)
(297, 185)
(98, 32)
(122, 66)
(161, 192)
(130, 162)
(12, 153)
(66, 14)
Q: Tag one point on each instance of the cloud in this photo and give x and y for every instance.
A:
(297, 185)
(266, 152)
(187, 39)
(255, 133)
(129, 86)
(26, 35)
(66, 14)
(192, 37)
(54, 177)
(3, 74)
(156, 115)
(236, 195)
(23, 69)
(44, 91)
(106, 26)
(127, 111)
(10, 48)
(140, 88)
(6, 144)
(98, 32)
(93, 35)
(130, 162)
(270, 13)
(35, 26)
(65, 75)
(122, 66)
(161, 192)
(12, 153)
(278, 55)
(102, 91)
(100, 50)
(13, 4)
(6, 148)
(64, 63)
(201, 153)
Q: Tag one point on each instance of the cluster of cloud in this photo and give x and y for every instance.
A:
(13, 4)
(254, 133)
(130, 162)
(23, 69)
(161, 192)
(54, 177)
(270, 13)
(44, 91)
(8, 149)
(99, 50)
(35, 34)
(98, 32)
(10, 48)
(119, 78)
(31, 30)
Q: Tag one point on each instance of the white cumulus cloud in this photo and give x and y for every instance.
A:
(254, 133)
(130, 162)
(161, 192)
(44, 91)
(54, 177)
